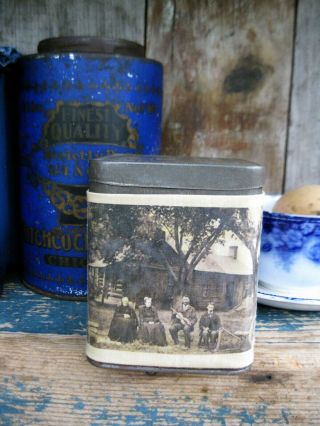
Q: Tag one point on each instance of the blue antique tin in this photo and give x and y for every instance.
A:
(81, 98)
(8, 252)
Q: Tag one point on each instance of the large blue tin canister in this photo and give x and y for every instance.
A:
(8, 169)
(81, 98)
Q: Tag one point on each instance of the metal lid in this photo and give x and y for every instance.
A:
(98, 45)
(176, 172)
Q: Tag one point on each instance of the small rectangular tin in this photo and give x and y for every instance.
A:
(172, 262)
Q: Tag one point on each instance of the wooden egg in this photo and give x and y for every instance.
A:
(304, 200)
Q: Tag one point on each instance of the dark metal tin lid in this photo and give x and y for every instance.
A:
(98, 45)
(186, 173)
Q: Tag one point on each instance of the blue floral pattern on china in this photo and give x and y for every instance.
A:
(289, 237)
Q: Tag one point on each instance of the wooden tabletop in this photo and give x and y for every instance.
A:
(46, 379)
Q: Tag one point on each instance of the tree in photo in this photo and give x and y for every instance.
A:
(119, 233)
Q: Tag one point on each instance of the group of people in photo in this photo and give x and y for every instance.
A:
(126, 326)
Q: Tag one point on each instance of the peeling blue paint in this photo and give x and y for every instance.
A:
(21, 386)
(144, 412)
(205, 412)
(220, 414)
(150, 413)
(170, 419)
(250, 418)
(102, 414)
(36, 389)
(24, 310)
(283, 320)
(21, 310)
(10, 406)
(246, 418)
(41, 406)
(79, 404)
(285, 415)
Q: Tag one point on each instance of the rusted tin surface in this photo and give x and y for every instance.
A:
(96, 97)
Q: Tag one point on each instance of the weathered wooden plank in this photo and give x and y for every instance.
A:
(48, 380)
(227, 77)
(269, 319)
(21, 310)
(24, 23)
(303, 157)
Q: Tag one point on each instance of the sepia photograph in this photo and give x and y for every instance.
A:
(171, 279)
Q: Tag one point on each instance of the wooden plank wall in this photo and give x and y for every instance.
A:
(24, 22)
(227, 78)
(303, 156)
(237, 72)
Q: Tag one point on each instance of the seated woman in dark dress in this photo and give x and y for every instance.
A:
(124, 324)
(151, 330)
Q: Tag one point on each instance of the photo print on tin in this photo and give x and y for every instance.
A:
(172, 280)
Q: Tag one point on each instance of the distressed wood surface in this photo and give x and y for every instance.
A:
(227, 78)
(46, 379)
(22, 310)
(24, 23)
(303, 157)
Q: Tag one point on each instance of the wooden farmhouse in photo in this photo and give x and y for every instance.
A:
(220, 278)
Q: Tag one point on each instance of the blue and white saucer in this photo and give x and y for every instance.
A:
(277, 300)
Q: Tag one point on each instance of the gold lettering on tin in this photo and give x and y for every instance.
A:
(66, 242)
(79, 242)
(37, 235)
(46, 239)
(58, 278)
(77, 171)
(67, 202)
(53, 240)
(70, 155)
(66, 131)
(95, 122)
(55, 245)
(55, 132)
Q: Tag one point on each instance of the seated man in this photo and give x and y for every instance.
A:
(151, 330)
(124, 324)
(183, 319)
(209, 325)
